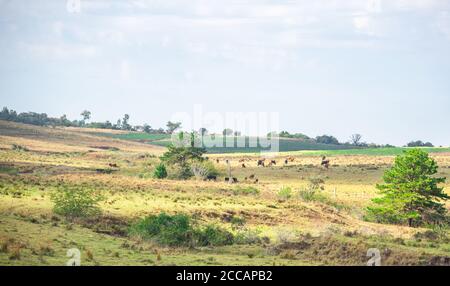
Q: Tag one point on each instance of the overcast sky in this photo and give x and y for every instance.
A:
(379, 68)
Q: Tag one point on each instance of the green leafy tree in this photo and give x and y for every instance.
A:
(172, 126)
(125, 124)
(86, 115)
(182, 156)
(327, 139)
(227, 132)
(411, 192)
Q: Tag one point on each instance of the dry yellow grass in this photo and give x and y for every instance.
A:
(66, 157)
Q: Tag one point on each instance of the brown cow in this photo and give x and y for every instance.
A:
(325, 163)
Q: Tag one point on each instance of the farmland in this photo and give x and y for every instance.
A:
(286, 145)
(280, 229)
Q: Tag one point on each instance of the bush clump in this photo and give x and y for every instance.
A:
(160, 172)
(285, 193)
(76, 202)
(214, 236)
(246, 191)
(165, 229)
(179, 230)
(204, 169)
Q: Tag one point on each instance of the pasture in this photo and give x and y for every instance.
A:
(280, 227)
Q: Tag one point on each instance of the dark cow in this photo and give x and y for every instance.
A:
(252, 176)
(243, 165)
(261, 163)
(325, 162)
(227, 179)
(113, 165)
(211, 178)
(235, 180)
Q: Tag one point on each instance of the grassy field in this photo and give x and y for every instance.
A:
(285, 144)
(36, 161)
(293, 146)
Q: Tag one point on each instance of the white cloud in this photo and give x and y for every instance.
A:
(361, 23)
(59, 51)
(125, 70)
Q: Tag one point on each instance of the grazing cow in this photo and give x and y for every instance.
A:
(252, 176)
(325, 163)
(261, 163)
(235, 180)
(113, 165)
(227, 179)
(211, 178)
(243, 165)
(273, 162)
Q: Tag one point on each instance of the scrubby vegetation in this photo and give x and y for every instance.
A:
(76, 202)
(160, 171)
(179, 230)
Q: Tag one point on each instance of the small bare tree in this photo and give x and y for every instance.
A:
(356, 139)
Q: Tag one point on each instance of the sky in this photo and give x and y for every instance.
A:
(375, 67)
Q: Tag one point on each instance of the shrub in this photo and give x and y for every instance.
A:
(203, 169)
(181, 172)
(76, 202)
(307, 195)
(160, 171)
(178, 230)
(214, 236)
(246, 191)
(285, 193)
(165, 229)
(247, 236)
(17, 147)
(237, 222)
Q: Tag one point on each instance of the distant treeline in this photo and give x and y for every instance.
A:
(42, 119)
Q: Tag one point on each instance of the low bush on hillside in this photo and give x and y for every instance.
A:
(285, 193)
(204, 169)
(246, 191)
(160, 172)
(17, 147)
(74, 202)
(165, 229)
(179, 230)
(180, 172)
(213, 236)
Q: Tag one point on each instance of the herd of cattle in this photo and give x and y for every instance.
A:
(259, 163)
